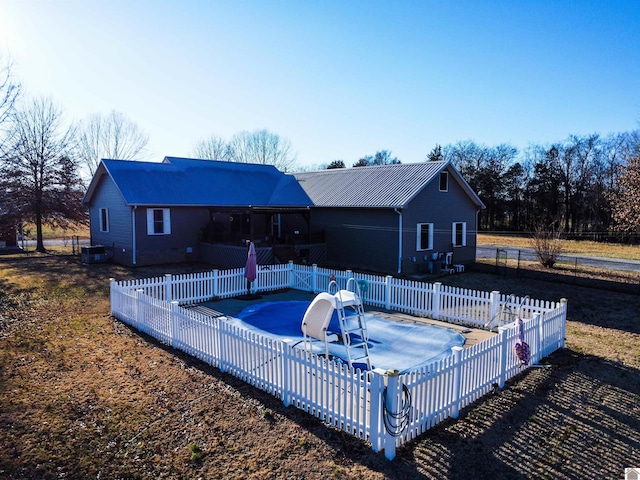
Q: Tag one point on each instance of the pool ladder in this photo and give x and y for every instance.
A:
(352, 325)
(507, 314)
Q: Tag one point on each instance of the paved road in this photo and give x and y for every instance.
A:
(489, 251)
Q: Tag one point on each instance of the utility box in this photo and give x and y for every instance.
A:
(93, 254)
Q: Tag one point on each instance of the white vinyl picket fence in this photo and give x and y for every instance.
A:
(385, 408)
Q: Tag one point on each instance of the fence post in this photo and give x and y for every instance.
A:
(387, 292)
(391, 402)
(314, 278)
(435, 301)
(112, 284)
(376, 408)
(215, 283)
(538, 338)
(457, 381)
(167, 288)
(174, 329)
(291, 274)
(563, 329)
(287, 363)
(223, 336)
(494, 306)
(502, 377)
(137, 308)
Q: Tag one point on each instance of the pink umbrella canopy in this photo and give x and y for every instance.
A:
(250, 267)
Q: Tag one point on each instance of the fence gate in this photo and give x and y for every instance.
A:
(303, 280)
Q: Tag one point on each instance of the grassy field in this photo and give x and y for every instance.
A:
(49, 233)
(569, 247)
(84, 396)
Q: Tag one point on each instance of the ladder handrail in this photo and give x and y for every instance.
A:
(354, 301)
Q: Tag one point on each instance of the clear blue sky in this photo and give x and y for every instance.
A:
(338, 79)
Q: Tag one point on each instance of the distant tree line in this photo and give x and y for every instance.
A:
(586, 185)
(381, 157)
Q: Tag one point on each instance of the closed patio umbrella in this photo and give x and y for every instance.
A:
(250, 267)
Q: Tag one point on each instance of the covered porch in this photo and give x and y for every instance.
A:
(280, 235)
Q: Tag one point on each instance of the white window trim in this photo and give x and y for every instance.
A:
(439, 183)
(166, 221)
(104, 226)
(419, 237)
(464, 234)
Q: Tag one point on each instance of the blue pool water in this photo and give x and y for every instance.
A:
(392, 345)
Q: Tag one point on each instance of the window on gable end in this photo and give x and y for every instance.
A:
(104, 219)
(444, 181)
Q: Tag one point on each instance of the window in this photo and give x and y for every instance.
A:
(104, 219)
(459, 234)
(425, 236)
(444, 181)
(158, 221)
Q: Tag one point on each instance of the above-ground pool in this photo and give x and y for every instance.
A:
(392, 345)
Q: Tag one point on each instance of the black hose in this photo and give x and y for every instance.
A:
(397, 422)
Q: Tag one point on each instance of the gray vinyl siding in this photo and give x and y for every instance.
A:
(180, 245)
(442, 209)
(118, 238)
(358, 238)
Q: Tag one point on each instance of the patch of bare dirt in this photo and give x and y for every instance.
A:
(84, 396)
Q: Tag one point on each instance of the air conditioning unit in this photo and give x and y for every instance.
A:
(93, 254)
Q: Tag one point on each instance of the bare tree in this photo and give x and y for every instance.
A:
(212, 148)
(39, 176)
(625, 201)
(9, 93)
(263, 147)
(547, 244)
(9, 90)
(109, 136)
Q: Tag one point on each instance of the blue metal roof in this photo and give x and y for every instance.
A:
(191, 182)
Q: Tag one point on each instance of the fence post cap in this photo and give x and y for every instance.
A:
(393, 373)
(457, 348)
(563, 300)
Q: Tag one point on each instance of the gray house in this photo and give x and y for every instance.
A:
(398, 219)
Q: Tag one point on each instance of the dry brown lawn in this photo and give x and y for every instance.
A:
(84, 396)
